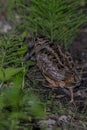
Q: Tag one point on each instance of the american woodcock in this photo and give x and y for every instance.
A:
(56, 65)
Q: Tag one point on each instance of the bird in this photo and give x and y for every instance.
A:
(56, 64)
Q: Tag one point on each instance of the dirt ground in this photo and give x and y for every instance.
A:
(78, 50)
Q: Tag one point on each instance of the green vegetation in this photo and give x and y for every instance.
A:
(17, 104)
(57, 20)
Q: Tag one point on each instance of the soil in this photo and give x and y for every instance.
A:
(78, 50)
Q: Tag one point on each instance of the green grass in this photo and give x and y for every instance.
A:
(56, 20)
(18, 104)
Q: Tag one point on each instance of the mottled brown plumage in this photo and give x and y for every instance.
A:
(56, 65)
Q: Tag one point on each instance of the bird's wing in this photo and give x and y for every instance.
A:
(49, 69)
(54, 74)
